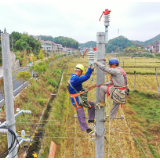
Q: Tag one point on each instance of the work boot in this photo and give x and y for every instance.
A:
(92, 123)
(90, 132)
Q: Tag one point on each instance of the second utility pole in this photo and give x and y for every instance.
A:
(8, 88)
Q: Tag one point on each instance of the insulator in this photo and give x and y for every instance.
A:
(91, 57)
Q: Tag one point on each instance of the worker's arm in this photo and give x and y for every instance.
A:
(104, 68)
(79, 80)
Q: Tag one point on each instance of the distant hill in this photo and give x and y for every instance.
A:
(116, 44)
(119, 43)
(88, 44)
(150, 41)
(45, 38)
(65, 41)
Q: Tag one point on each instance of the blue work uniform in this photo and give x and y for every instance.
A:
(77, 81)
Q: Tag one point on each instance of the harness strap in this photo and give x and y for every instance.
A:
(108, 89)
(77, 104)
(124, 75)
(88, 103)
(90, 88)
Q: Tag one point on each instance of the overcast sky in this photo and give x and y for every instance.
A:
(79, 19)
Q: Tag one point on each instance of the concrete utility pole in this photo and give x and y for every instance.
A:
(8, 88)
(100, 112)
(12, 43)
(102, 39)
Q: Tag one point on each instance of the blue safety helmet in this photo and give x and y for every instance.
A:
(113, 61)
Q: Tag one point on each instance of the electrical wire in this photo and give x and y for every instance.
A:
(12, 146)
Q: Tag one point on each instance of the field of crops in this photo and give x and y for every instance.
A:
(141, 114)
(72, 142)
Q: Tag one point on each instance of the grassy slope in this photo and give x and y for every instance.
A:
(143, 113)
(63, 111)
(122, 138)
(35, 98)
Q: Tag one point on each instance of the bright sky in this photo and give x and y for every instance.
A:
(79, 19)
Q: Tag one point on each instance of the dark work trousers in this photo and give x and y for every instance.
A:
(81, 115)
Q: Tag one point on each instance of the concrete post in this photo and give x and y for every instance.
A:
(99, 147)
(157, 81)
(135, 80)
(8, 88)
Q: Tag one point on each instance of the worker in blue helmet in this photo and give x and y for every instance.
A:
(117, 86)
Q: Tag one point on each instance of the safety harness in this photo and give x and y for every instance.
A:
(82, 95)
(116, 87)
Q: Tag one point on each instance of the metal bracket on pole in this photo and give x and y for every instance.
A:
(16, 115)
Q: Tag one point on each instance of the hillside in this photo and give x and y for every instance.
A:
(119, 43)
(88, 44)
(150, 41)
(116, 44)
(65, 41)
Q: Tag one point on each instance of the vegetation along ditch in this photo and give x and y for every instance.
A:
(37, 98)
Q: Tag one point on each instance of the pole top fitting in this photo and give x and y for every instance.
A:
(105, 13)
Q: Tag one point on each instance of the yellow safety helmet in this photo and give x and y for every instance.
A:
(80, 66)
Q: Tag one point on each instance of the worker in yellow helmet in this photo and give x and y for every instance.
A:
(75, 86)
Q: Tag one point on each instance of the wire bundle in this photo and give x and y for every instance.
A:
(11, 147)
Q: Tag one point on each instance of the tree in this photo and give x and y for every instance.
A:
(25, 58)
(65, 41)
(40, 67)
(23, 76)
(24, 41)
(41, 54)
(32, 58)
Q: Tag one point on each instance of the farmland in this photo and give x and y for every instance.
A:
(72, 142)
(134, 136)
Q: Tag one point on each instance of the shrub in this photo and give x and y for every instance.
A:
(52, 82)
(42, 101)
(50, 88)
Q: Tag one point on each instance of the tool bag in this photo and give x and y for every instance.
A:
(82, 98)
(118, 94)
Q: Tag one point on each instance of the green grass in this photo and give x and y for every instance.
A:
(146, 108)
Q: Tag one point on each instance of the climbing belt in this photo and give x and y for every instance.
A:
(83, 92)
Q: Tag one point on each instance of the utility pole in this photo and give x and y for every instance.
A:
(8, 88)
(12, 43)
(102, 39)
(100, 79)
